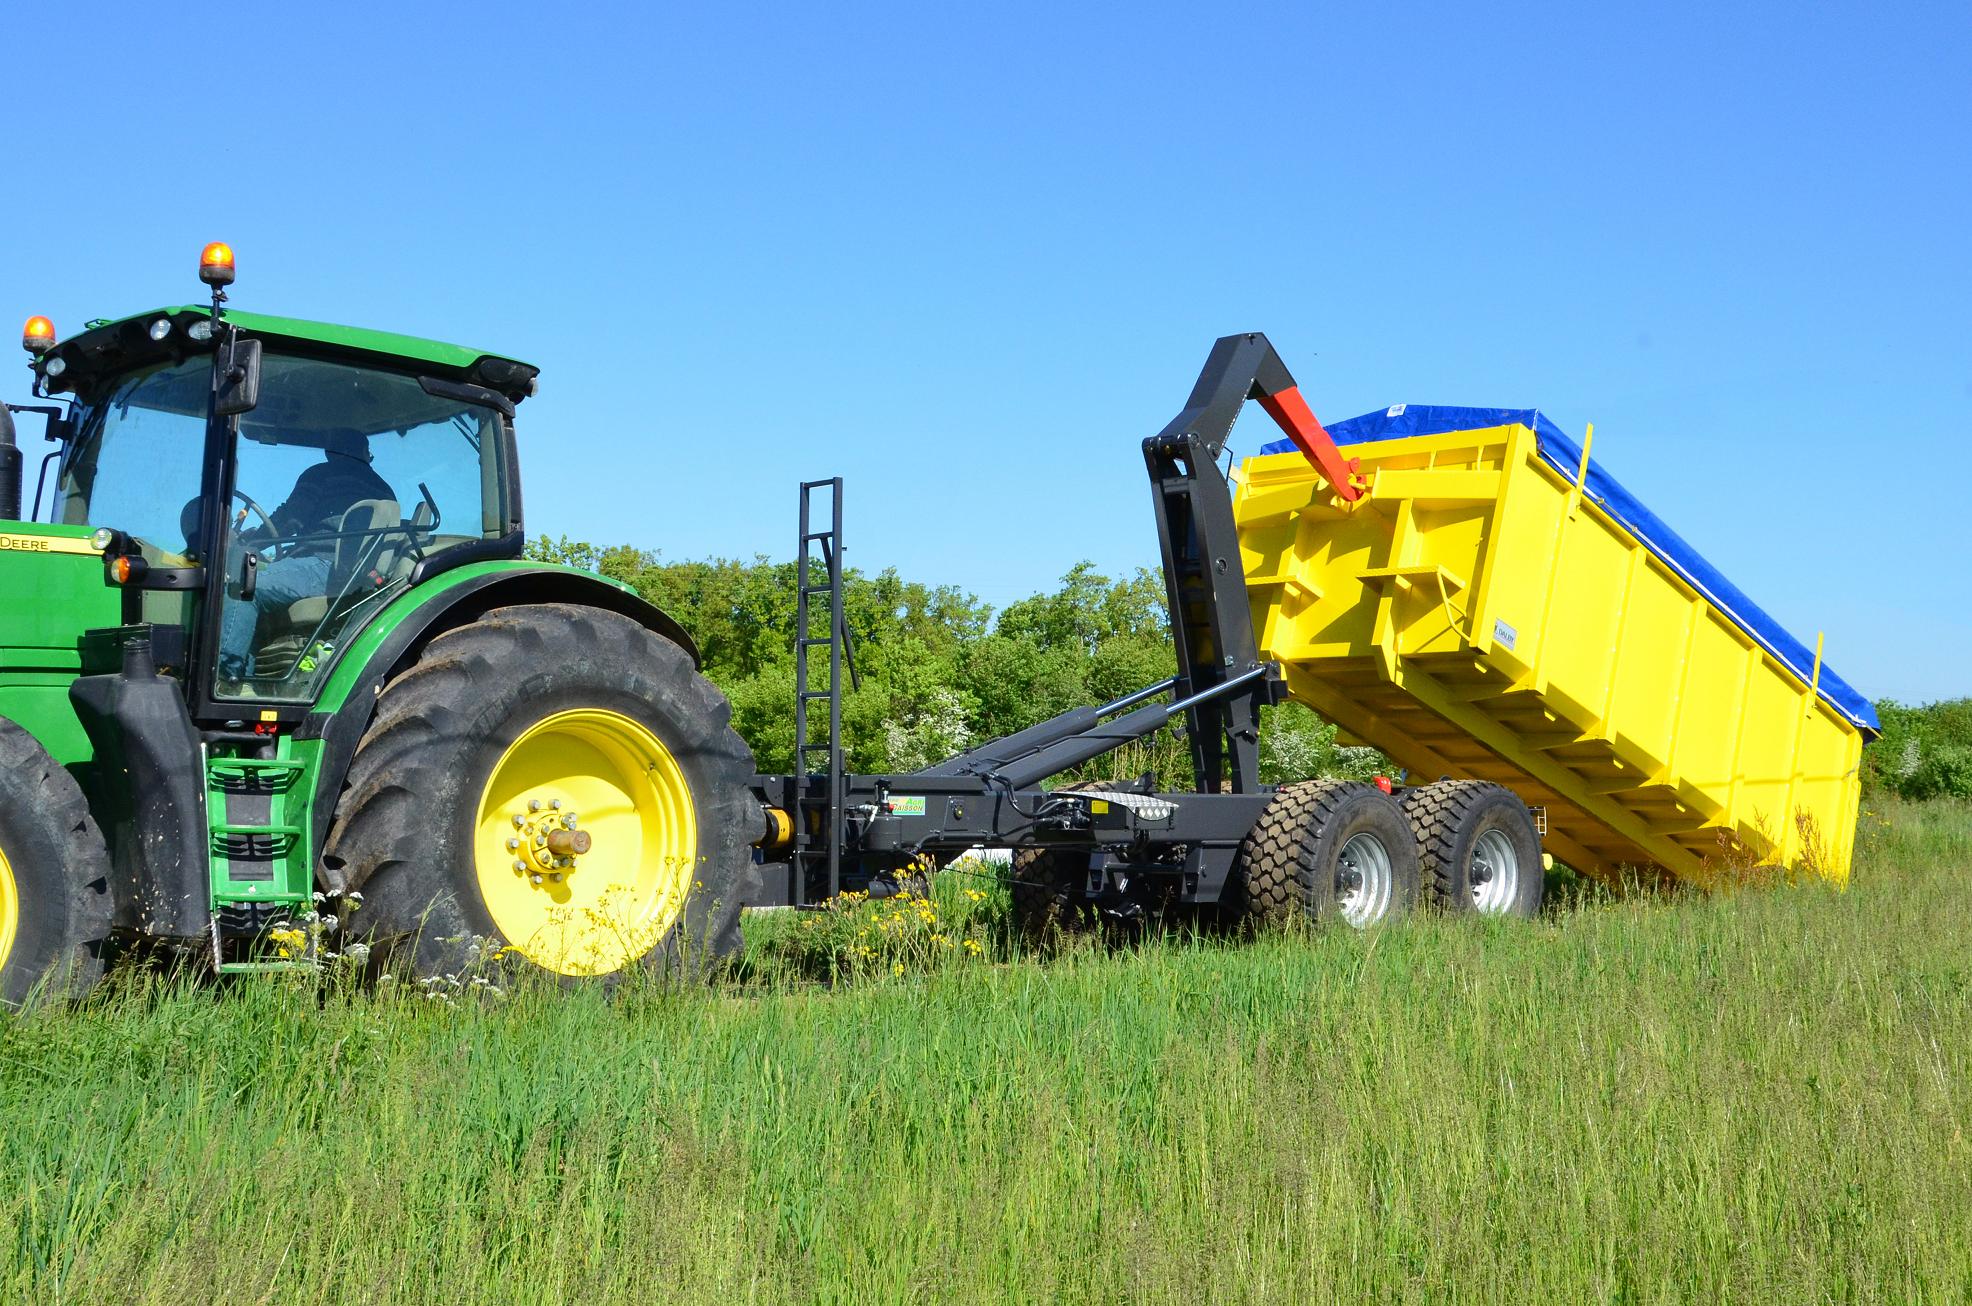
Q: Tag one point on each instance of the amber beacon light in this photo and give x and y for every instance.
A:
(216, 264)
(38, 336)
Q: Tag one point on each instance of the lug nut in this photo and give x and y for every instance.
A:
(568, 820)
(534, 804)
(518, 821)
(512, 844)
(519, 865)
(556, 877)
(555, 803)
(534, 878)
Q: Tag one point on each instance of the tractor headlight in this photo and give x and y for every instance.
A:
(54, 366)
(161, 328)
(200, 330)
(102, 539)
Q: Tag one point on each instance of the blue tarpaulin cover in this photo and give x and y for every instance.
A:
(1565, 454)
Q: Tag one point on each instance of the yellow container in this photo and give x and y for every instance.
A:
(1475, 615)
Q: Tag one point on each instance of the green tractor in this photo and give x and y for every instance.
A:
(271, 647)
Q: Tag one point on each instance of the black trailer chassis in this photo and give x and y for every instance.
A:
(838, 831)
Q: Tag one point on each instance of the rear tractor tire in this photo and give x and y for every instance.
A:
(557, 781)
(1327, 850)
(55, 909)
(1478, 847)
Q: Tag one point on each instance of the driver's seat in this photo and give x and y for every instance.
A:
(370, 538)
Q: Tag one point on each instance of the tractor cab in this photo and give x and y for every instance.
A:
(262, 486)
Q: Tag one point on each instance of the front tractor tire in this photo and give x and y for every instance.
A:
(554, 780)
(1327, 851)
(55, 909)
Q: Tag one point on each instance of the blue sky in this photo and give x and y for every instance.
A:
(969, 258)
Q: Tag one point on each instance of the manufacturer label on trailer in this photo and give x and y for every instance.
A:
(911, 806)
(1504, 635)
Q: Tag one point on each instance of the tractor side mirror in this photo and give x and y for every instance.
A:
(236, 376)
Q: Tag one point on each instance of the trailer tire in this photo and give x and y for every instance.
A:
(500, 723)
(55, 904)
(1327, 850)
(1478, 848)
(1046, 886)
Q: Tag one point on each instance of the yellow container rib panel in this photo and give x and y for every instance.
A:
(1475, 616)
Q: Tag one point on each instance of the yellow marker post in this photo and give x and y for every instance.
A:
(1791, 836)
(1581, 472)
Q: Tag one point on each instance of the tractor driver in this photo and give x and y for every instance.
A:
(321, 495)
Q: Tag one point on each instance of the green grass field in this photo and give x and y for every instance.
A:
(1763, 1097)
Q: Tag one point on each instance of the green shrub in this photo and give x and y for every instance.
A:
(1923, 752)
(941, 672)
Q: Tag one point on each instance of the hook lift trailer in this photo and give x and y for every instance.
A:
(1231, 842)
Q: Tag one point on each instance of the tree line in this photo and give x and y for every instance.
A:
(941, 671)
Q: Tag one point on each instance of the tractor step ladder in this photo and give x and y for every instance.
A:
(253, 840)
(818, 817)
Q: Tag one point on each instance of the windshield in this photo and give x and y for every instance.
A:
(345, 478)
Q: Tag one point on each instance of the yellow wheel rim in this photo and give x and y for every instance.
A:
(10, 908)
(601, 774)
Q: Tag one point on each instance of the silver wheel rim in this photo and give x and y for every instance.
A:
(1364, 884)
(1495, 873)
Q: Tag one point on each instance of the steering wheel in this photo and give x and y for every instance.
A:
(274, 541)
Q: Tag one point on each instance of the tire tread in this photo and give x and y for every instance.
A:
(1275, 872)
(1438, 813)
(32, 780)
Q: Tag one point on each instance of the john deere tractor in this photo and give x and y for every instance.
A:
(268, 643)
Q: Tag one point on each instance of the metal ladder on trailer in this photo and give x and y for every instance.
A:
(818, 817)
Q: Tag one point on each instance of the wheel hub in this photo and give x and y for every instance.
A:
(546, 842)
(1363, 880)
(1494, 873)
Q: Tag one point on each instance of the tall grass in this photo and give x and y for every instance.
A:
(1760, 1097)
